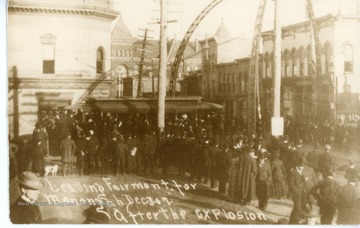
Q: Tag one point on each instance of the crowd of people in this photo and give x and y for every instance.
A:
(207, 149)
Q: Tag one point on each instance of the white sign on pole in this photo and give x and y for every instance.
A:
(277, 126)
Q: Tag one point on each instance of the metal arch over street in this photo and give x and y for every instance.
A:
(184, 42)
(253, 86)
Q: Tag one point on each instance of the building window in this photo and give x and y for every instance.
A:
(49, 59)
(293, 66)
(301, 55)
(233, 82)
(246, 76)
(224, 83)
(348, 58)
(48, 41)
(283, 66)
(228, 88)
(100, 60)
(220, 83)
(240, 82)
(267, 65)
(310, 62)
(213, 86)
(288, 63)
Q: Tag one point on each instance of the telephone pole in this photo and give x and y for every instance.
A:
(142, 59)
(277, 123)
(162, 68)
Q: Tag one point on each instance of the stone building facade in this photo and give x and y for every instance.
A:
(56, 51)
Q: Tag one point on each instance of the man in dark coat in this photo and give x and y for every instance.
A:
(41, 133)
(248, 172)
(298, 192)
(149, 146)
(92, 145)
(67, 147)
(80, 153)
(110, 152)
(263, 180)
(312, 159)
(38, 158)
(325, 191)
(284, 147)
(24, 210)
(280, 188)
(222, 168)
(348, 203)
(351, 171)
(325, 161)
(133, 154)
(213, 151)
(121, 151)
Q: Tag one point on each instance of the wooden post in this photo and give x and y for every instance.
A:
(162, 68)
(277, 123)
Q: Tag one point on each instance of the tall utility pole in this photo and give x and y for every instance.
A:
(277, 121)
(162, 68)
(142, 59)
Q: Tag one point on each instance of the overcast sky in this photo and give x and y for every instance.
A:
(238, 15)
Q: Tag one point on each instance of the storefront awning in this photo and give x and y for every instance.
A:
(83, 107)
(111, 107)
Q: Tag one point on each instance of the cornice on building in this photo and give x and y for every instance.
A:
(56, 83)
(64, 9)
(301, 27)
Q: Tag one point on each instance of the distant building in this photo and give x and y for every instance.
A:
(338, 84)
(225, 63)
(225, 77)
(56, 50)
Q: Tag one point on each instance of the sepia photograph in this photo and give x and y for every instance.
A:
(182, 112)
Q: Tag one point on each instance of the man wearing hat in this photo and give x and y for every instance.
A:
(24, 210)
(312, 159)
(248, 172)
(67, 147)
(348, 202)
(96, 214)
(325, 161)
(325, 191)
(38, 157)
(297, 183)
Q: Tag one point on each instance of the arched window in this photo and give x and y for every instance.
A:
(348, 58)
(267, 61)
(213, 86)
(246, 76)
(310, 62)
(220, 83)
(302, 60)
(227, 82)
(100, 61)
(233, 82)
(288, 63)
(240, 80)
(293, 66)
